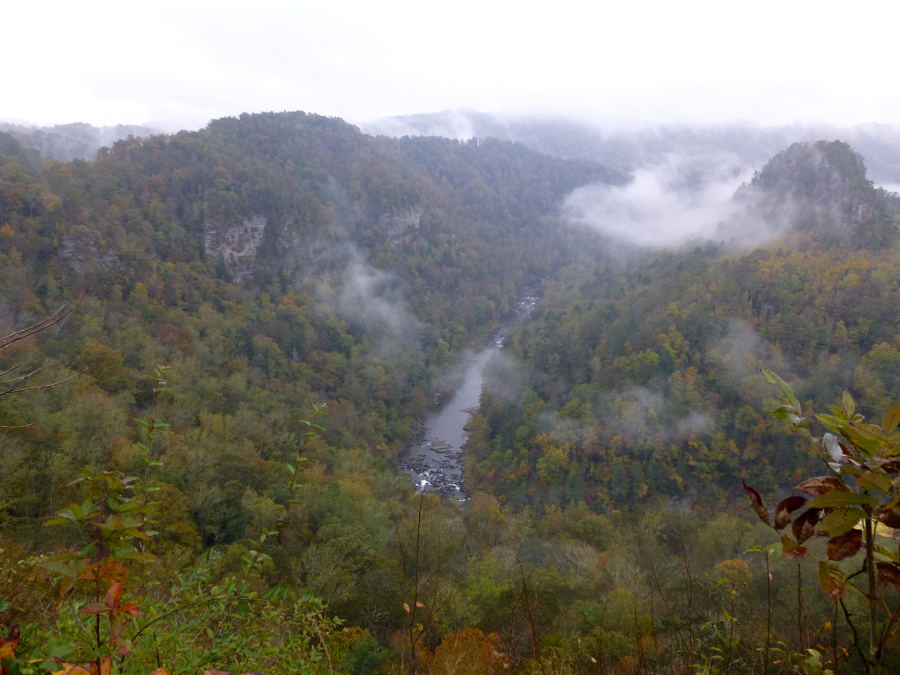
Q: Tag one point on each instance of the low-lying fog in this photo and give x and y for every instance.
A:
(683, 199)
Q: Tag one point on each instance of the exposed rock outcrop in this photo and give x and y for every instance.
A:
(398, 224)
(238, 245)
(82, 249)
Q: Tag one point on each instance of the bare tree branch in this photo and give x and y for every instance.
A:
(8, 371)
(44, 324)
(43, 386)
(20, 378)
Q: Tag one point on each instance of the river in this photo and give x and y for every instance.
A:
(434, 457)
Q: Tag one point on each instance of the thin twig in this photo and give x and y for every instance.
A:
(855, 635)
(44, 324)
(43, 386)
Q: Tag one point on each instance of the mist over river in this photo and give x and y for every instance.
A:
(433, 458)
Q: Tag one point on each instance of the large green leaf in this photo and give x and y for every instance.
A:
(838, 499)
(772, 378)
(833, 424)
(840, 521)
(864, 438)
(874, 481)
(891, 419)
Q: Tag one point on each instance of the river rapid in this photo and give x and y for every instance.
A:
(434, 456)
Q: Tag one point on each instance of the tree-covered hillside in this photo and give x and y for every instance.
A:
(642, 377)
(272, 261)
(162, 505)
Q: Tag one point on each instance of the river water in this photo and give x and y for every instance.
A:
(433, 459)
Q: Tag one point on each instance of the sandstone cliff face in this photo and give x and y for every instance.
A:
(238, 245)
(397, 225)
(82, 250)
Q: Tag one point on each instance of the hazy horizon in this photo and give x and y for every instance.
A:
(180, 65)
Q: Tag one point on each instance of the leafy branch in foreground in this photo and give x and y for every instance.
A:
(198, 624)
(852, 506)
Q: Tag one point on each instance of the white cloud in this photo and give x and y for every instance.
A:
(680, 200)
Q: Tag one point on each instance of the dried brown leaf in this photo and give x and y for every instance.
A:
(757, 503)
(820, 485)
(891, 518)
(804, 525)
(785, 508)
(845, 546)
(888, 573)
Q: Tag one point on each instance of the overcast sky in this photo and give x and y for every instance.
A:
(180, 64)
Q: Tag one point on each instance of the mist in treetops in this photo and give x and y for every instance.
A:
(225, 283)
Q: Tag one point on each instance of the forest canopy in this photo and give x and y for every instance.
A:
(237, 277)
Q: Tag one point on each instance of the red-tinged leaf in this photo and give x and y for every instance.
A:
(790, 550)
(888, 573)
(821, 485)
(832, 579)
(804, 525)
(845, 546)
(784, 510)
(124, 646)
(891, 419)
(95, 608)
(757, 503)
(115, 627)
(114, 594)
(130, 608)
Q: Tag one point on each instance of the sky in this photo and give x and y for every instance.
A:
(179, 64)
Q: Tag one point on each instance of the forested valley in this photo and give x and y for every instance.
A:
(217, 342)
